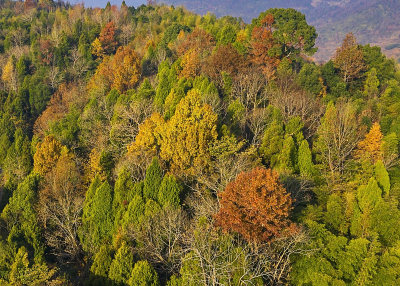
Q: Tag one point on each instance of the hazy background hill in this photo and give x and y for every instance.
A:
(372, 21)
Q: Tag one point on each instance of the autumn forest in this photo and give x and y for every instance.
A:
(153, 146)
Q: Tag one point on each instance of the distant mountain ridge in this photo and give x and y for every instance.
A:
(372, 21)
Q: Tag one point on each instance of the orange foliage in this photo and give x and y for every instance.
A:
(122, 71)
(255, 205)
(371, 146)
(199, 40)
(60, 102)
(107, 38)
(224, 59)
(126, 69)
(262, 47)
(191, 64)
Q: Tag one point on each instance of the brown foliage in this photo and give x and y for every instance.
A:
(255, 205)
(108, 38)
(349, 58)
(262, 45)
(224, 59)
(59, 105)
(199, 40)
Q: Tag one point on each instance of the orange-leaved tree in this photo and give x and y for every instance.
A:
(371, 146)
(255, 205)
(349, 58)
(126, 67)
(265, 51)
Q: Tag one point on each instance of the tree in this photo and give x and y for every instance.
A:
(107, 38)
(121, 266)
(20, 217)
(126, 69)
(143, 274)
(255, 205)
(185, 139)
(225, 59)
(102, 262)
(349, 59)
(59, 208)
(291, 31)
(169, 192)
(305, 162)
(371, 147)
(23, 274)
(265, 50)
(338, 135)
(47, 154)
(152, 181)
(371, 86)
(9, 75)
(97, 224)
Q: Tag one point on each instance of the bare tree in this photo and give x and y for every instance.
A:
(161, 238)
(60, 206)
(293, 101)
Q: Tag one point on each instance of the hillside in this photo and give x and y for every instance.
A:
(374, 22)
(150, 145)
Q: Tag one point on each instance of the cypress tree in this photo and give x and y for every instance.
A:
(169, 192)
(152, 180)
(305, 160)
(121, 266)
(143, 274)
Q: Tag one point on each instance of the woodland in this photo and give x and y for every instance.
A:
(153, 146)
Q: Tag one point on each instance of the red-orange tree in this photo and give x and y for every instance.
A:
(107, 38)
(255, 205)
(265, 50)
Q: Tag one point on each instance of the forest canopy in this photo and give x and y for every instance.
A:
(153, 146)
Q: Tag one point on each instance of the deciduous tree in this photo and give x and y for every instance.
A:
(255, 205)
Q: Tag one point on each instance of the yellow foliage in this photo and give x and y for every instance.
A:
(126, 69)
(97, 49)
(94, 167)
(8, 75)
(147, 140)
(186, 138)
(47, 154)
(371, 146)
(190, 64)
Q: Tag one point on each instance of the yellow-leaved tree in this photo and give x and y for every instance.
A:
(186, 138)
(47, 154)
(371, 147)
(126, 67)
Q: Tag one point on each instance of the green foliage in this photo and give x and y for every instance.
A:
(101, 263)
(121, 266)
(272, 142)
(143, 274)
(152, 180)
(21, 218)
(309, 78)
(97, 222)
(169, 192)
(306, 166)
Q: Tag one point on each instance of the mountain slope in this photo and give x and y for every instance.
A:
(372, 21)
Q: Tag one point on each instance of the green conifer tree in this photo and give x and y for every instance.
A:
(169, 192)
(121, 266)
(152, 180)
(143, 274)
